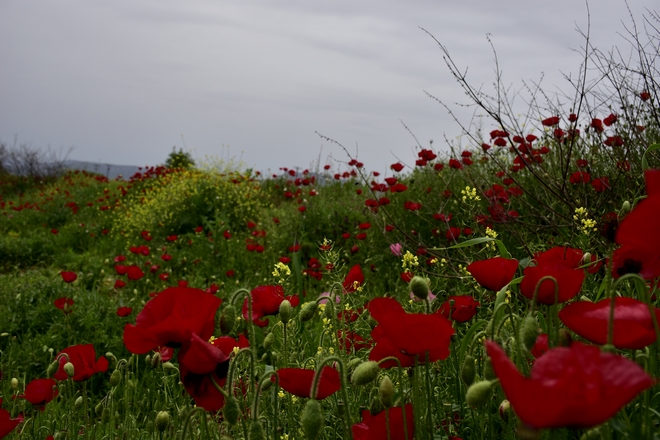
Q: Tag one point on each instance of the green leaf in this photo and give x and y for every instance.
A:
(645, 163)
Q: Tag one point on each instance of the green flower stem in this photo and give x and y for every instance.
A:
(400, 380)
(250, 324)
(553, 336)
(184, 431)
(232, 370)
(344, 388)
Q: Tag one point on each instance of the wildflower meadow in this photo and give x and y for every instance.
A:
(503, 286)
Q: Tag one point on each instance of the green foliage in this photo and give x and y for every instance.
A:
(179, 160)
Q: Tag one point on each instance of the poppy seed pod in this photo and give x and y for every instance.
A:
(468, 370)
(419, 287)
(479, 393)
(386, 391)
(69, 369)
(307, 311)
(285, 311)
(312, 419)
(231, 410)
(227, 320)
(162, 421)
(365, 372)
(529, 331)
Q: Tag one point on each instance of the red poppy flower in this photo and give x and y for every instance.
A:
(169, 318)
(540, 346)
(453, 233)
(611, 119)
(354, 279)
(374, 427)
(7, 424)
(121, 269)
(579, 386)
(601, 184)
(64, 304)
(407, 336)
(396, 167)
(119, 284)
(453, 163)
(124, 311)
(298, 381)
(40, 391)
(68, 277)
(266, 301)
(549, 122)
(639, 238)
(580, 177)
(464, 308)
(561, 264)
(85, 364)
(134, 273)
(633, 326)
(494, 273)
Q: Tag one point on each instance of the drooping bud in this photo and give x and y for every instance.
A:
(353, 363)
(115, 378)
(169, 366)
(69, 369)
(505, 410)
(228, 320)
(266, 384)
(489, 373)
(479, 393)
(285, 311)
(268, 340)
(386, 391)
(365, 373)
(256, 431)
(52, 368)
(312, 419)
(307, 311)
(468, 370)
(608, 348)
(79, 401)
(163, 421)
(105, 415)
(231, 410)
(529, 331)
(156, 360)
(98, 409)
(419, 287)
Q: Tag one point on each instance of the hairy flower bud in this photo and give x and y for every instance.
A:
(115, 378)
(231, 410)
(625, 208)
(52, 368)
(228, 320)
(14, 383)
(156, 360)
(98, 409)
(285, 311)
(386, 391)
(307, 311)
(365, 373)
(69, 369)
(312, 419)
(79, 401)
(163, 421)
(479, 393)
(419, 287)
(268, 340)
(468, 370)
(565, 338)
(489, 373)
(529, 331)
(105, 415)
(505, 410)
(256, 431)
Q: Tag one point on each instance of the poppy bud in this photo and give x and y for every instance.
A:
(307, 311)
(268, 340)
(625, 208)
(468, 370)
(231, 410)
(479, 393)
(489, 373)
(79, 401)
(353, 363)
(168, 366)
(227, 320)
(156, 360)
(99, 409)
(256, 431)
(376, 406)
(505, 410)
(386, 391)
(419, 287)
(105, 416)
(69, 369)
(52, 368)
(565, 338)
(285, 311)
(115, 378)
(162, 421)
(266, 384)
(14, 383)
(365, 373)
(529, 331)
(312, 419)
(147, 359)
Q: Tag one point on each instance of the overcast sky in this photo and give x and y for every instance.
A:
(123, 81)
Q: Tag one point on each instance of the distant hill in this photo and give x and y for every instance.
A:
(108, 170)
